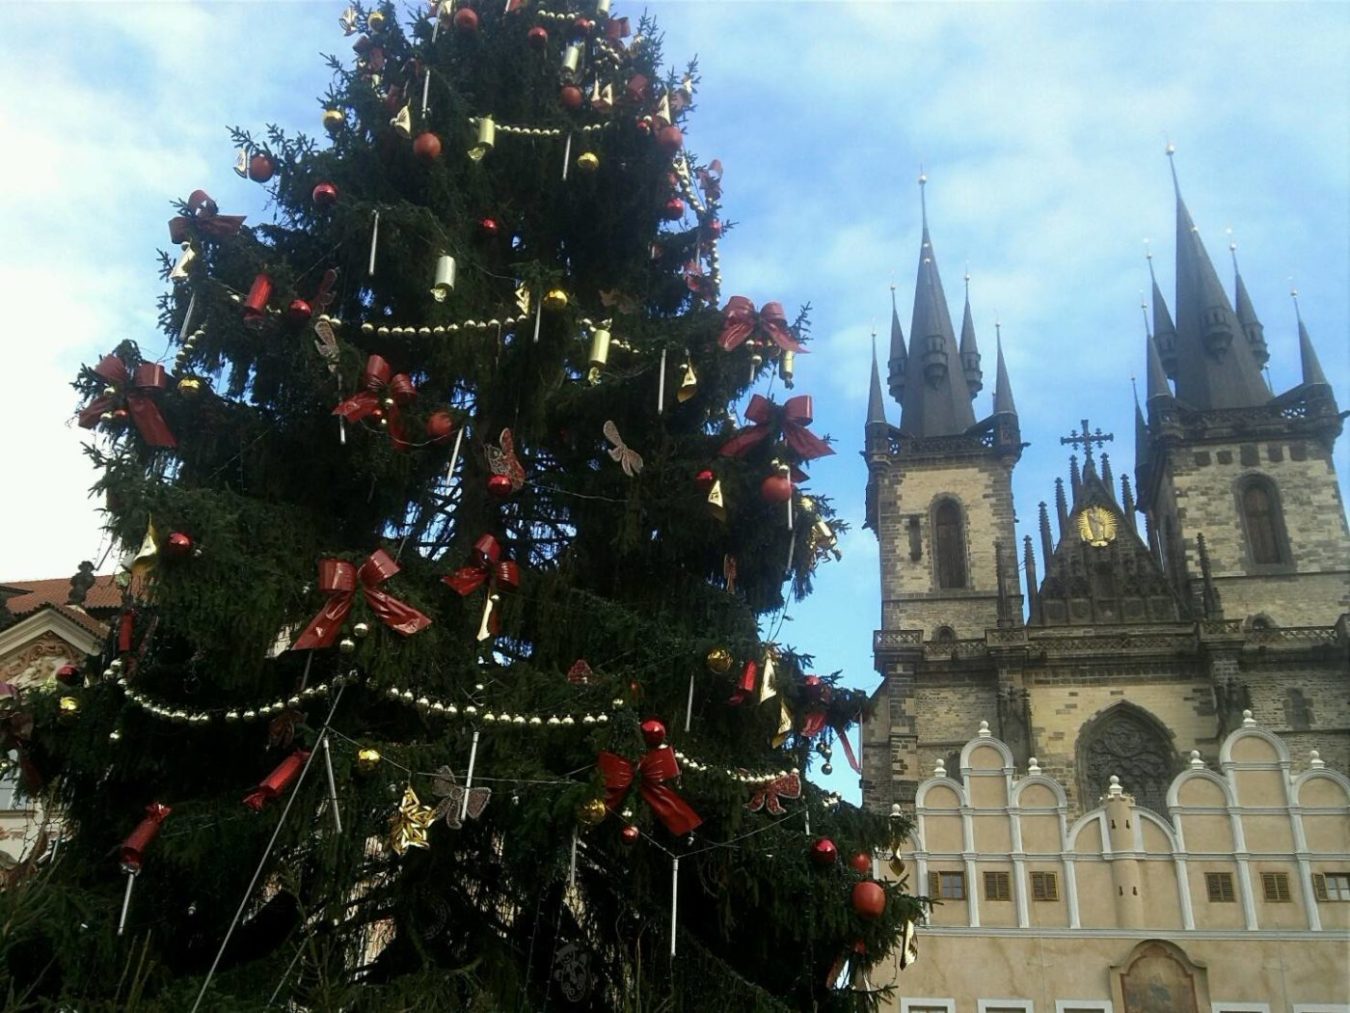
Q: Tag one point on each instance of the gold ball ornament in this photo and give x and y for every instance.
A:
(591, 812)
(334, 120)
(367, 759)
(109, 391)
(807, 504)
(190, 387)
(588, 161)
(346, 645)
(719, 661)
(361, 630)
(555, 300)
(375, 21)
(69, 706)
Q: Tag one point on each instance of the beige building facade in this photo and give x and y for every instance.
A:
(1235, 900)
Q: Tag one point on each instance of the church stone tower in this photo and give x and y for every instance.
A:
(939, 498)
(1237, 483)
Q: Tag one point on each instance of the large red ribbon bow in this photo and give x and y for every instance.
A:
(133, 848)
(339, 580)
(134, 390)
(792, 417)
(740, 321)
(203, 217)
(378, 382)
(487, 568)
(651, 773)
(16, 731)
(787, 785)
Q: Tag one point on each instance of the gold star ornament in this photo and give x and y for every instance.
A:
(408, 826)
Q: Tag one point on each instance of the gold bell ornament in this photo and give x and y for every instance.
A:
(688, 383)
(367, 759)
(69, 706)
(183, 265)
(588, 161)
(375, 21)
(444, 282)
(487, 138)
(402, 122)
(554, 300)
(190, 386)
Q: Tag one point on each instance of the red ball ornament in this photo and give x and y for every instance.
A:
(777, 488)
(823, 851)
(499, 486)
(715, 228)
(644, 125)
(869, 900)
(571, 96)
(861, 862)
(653, 732)
(670, 139)
(466, 20)
(674, 210)
(705, 479)
(299, 311)
(537, 37)
(68, 675)
(427, 145)
(261, 168)
(325, 195)
(178, 545)
(440, 427)
(582, 27)
(630, 834)
(488, 228)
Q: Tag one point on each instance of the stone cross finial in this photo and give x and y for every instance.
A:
(1033, 766)
(1315, 760)
(1196, 762)
(1115, 790)
(984, 730)
(1247, 720)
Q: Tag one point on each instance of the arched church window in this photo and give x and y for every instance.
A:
(1262, 520)
(944, 635)
(950, 545)
(1127, 743)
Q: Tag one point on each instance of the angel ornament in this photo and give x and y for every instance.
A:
(630, 460)
(457, 801)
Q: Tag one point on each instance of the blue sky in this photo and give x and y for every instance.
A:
(1041, 128)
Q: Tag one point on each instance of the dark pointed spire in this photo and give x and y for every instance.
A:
(1127, 502)
(1075, 478)
(970, 349)
(896, 365)
(1312, 369)
(1108, 479)
(1246, 314)
(1029, 564)
(1047, 545)
(1164, 331)
(1213, 369)
(1003, 395)
(1141, 441)
(1062, 510)
(933, 404)
(876, 406)
(1157, 379)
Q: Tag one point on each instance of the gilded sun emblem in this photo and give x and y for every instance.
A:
(1097, 526)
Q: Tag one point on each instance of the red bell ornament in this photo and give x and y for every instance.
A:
(670, 139)
(777, 488)
(537, 37)
(255, 303)
(869, 900)
(499, 486)
(705, 480)
(571, 96)
(261, 168)
(324, 195)
(466, 21)
(427, 146)
(653, 732)
(299, 312)
(861, 863)
(178, 545)
(440, 427)
(823, 851)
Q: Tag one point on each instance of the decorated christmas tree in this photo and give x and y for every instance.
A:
(450, 671)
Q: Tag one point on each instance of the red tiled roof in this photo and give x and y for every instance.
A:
(37, 593)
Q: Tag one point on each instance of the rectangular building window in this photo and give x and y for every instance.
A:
(1330, 886)
(1219, 886)
(947, 885)
(927, 1006)
(1275, 886)
(1044, 886)
(1082, 1006)
(996, 886)
(1004, 1006)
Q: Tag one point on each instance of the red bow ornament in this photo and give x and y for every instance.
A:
(339, 580)
(133, 390)
(652, 773)
(383, 393)
(202, 217)
(487, 568)
(787, 785)
(740, 321)
(792, 418)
